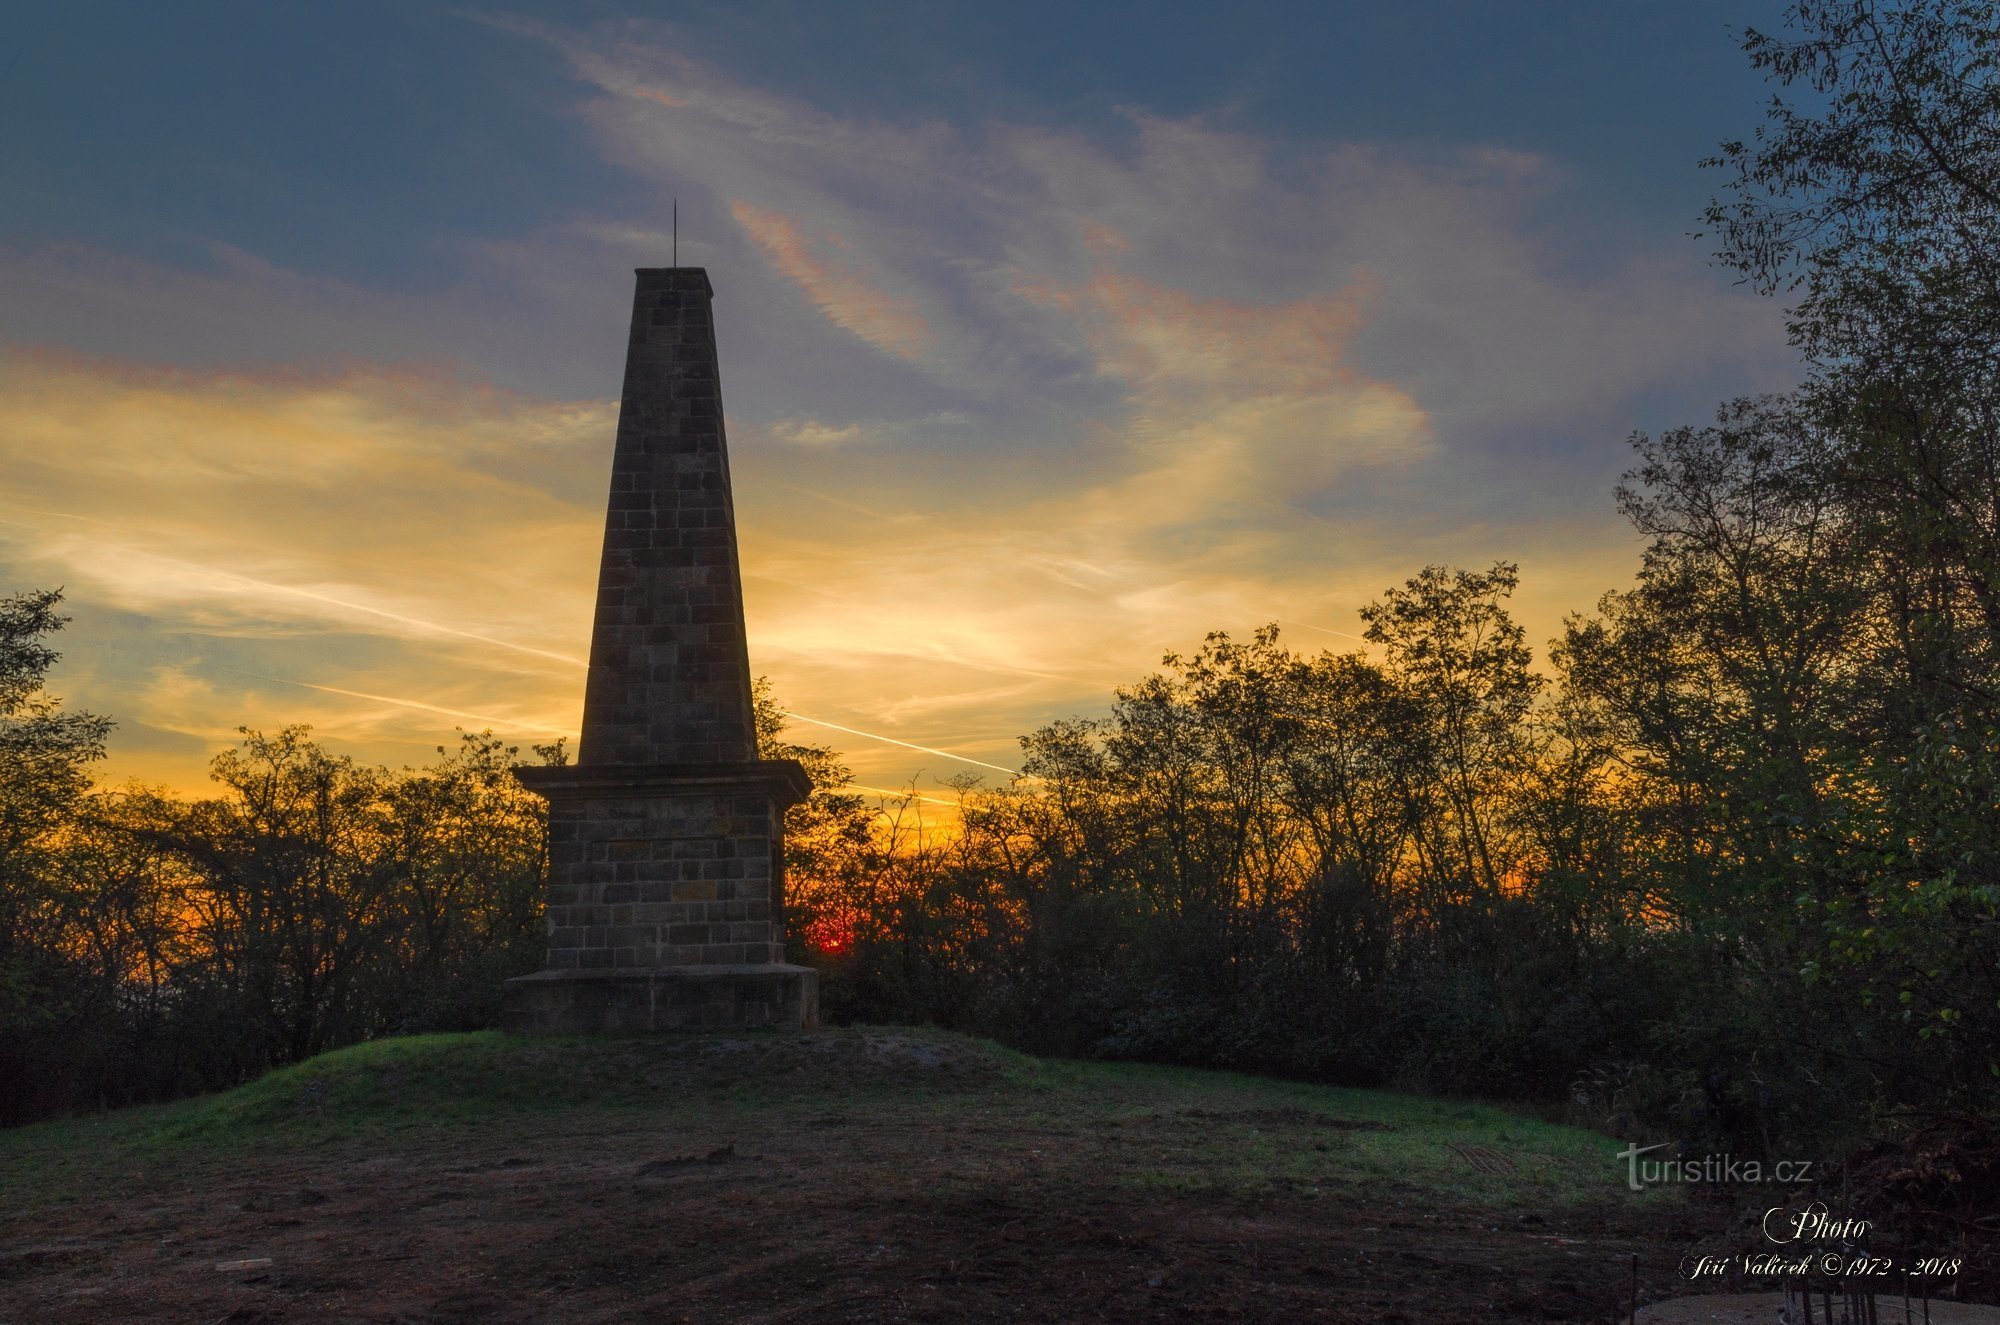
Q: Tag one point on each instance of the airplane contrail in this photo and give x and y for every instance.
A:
(904, 794)
(571, 660)
(418, 622)
(488, 719)
(890, 740)
(504, 723)
(1324, 630)
(240, 578)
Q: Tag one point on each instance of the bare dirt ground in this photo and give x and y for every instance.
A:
(966, 1203)
(826, 1228)
(1763, 1309)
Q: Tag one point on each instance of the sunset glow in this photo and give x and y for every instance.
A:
(1015, 405)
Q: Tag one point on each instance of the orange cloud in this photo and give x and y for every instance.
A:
(888, 322)
(664, 98)
(1231, 400)
(1155, 333)
(1101, 238)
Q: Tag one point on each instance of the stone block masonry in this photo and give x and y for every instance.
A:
(666, 879)
(685, 881)
(669, 666)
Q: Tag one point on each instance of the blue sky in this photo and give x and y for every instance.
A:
(1053, 336)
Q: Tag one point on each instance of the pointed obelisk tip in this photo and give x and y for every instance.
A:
(656, 279)
(669, 680)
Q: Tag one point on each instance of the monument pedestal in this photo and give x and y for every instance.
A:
(669, 998)
(665, 901)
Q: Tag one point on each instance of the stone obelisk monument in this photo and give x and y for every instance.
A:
(666, 882)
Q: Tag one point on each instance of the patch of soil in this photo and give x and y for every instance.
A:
(1483, 1158)
(846, 1222)
(1763, 1308)
(719, 1155)
(1287, 1117)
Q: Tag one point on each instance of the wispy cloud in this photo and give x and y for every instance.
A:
(396, 525)
(826, 271)
(1014, 410)
(811, 432)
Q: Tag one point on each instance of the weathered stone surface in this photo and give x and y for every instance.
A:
(669, 668)
(666, 836)
(674, 998)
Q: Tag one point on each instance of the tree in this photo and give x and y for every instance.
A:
(298, 866)
(1462, 662)
(1874, 194)
(45, 753)
(1727, 671)
(1881, 202)
(45, 756)
(829, 839)
(469, 853)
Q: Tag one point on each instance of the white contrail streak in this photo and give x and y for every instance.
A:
(418, 622)
(1324, 630)
(904, 794)
(890, 740)
(488, 719)
(229, 576)
(236, 577)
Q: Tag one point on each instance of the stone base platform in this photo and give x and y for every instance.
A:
(776, 996)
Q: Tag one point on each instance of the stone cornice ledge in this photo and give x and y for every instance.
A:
(784, 780)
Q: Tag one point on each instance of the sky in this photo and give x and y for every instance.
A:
(1052, 336)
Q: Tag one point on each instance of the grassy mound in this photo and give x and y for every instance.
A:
(1204, 1131)
(844, 1175)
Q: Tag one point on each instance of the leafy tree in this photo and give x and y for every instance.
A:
(298, 869)
(1879, 198)
(1726, 671)
(830, 866)
(1462, 662)
(469, 851)
(1874, 195)
(1878, 202)
(45, 756)
(1349, 775)
(150, 945)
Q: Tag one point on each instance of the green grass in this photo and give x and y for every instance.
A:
(1402, 1144)
(1142, 1126)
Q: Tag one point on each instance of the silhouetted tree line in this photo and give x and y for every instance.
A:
(1732, 867)
(1685, 879)
(152, 946)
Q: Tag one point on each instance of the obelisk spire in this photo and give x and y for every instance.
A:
(666, 895)
(669, 670)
